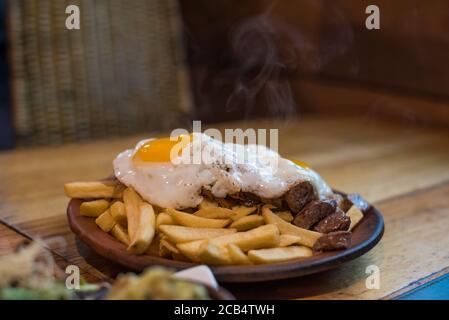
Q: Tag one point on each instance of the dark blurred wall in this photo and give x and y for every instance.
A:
(214, 68)
(246, 56)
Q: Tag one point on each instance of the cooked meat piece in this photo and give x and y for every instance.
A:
(333, 241)
(342, 202)
(222, 202)
(246, 198)
(314, 212)
(299, 195)
(207, 194)
(337, 221)
(226, 202)
(357, 200)
(295, 199)
(345, 204)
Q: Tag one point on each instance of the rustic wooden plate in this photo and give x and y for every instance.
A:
(365, 236)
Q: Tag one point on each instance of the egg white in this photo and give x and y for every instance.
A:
(169, 185)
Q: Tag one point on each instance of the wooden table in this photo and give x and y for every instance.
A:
(402, 169)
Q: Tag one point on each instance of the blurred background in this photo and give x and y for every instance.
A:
(143, 65)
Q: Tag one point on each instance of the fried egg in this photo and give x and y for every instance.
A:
(170, 174)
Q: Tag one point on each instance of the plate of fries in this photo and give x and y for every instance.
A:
(240, 244)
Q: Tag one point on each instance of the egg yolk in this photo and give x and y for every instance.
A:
(300, 163)
(159, 150)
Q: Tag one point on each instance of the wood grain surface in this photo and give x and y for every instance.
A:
(402, 169)
(11, 240)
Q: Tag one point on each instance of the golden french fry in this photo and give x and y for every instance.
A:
(94, 189)
(308, 237)
(191, 249)
(132, 202)
(141, 221)
(118, 212)
(213, 254)
(247, 223)
(190, 220)
(93, 209)
(288, 240)
(274, 255)
(105, 221)
(146, 228)
(266, 236)
(237, 256)
(207, 204)
(223, 213)
(285, 215)
(166, 248)
(215, 213)
(355, 215)
(164, 218)
(120, 233)
(242, 211)
(180, 234)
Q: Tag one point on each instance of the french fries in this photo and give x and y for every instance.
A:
(266, 236)
(180, 234)
(146, 227)
(215, 213)
(132, 202)
(94, 189)
(308, 237)
(285, 215)
(212, 235)
(120, 233)
(93, 209)
(236, 255)
(274, 255)
(164, 218)
(166, 249)
(105, 221)
(141, 221)
(118, 212)
(190, 220)
(247, 223)
(212, 254)
(355, 215)
(286, 240)
(262, 237)
(242, 211)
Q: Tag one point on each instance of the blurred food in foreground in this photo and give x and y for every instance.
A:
(155, 284)
(28, 274)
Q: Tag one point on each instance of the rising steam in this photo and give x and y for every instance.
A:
(261, 69)
(267, 51)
